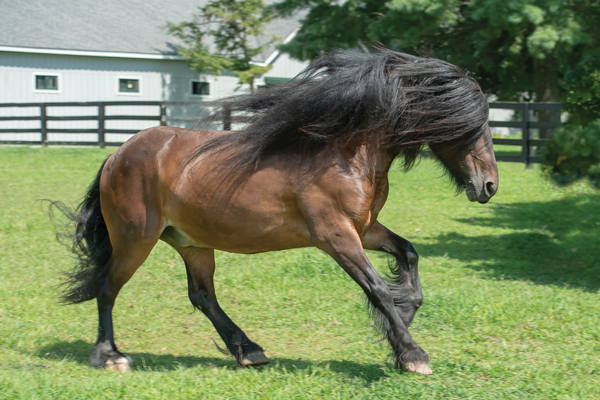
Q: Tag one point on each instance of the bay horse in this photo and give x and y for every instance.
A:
(310, 169)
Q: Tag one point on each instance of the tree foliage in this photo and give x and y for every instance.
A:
(224, 35)
(582, 100)
(515, 48)
(574, 153)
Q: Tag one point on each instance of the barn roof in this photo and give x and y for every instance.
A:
(109, 26)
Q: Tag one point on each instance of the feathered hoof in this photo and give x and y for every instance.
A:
(120, 364)
(254, 359)
(418, 367)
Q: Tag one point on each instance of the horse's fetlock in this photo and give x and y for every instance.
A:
(105, 355)
(415, 299)
(413, 353)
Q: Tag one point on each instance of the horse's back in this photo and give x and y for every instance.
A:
(155, 153)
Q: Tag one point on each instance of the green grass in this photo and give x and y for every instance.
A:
(511, 307)
(507, 150)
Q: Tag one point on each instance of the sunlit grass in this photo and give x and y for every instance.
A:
(511, 307)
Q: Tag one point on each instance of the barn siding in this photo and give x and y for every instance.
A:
(84, 79)
(95, 78)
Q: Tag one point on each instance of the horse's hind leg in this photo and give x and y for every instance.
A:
(126, 258)
(134, 226)
(200, 266)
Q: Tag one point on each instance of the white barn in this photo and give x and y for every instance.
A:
(114, 50)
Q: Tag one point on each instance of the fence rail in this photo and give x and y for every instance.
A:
(527, 142)
(100, 117)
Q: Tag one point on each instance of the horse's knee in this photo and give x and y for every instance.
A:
(410, 254)
(412, 258)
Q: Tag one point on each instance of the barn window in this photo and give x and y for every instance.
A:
(129, 85)
(46, 82)
(200, 88)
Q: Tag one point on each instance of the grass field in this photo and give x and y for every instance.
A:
(512, 307)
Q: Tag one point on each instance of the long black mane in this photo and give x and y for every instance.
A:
(414, 101)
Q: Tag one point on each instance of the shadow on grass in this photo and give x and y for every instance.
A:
(555, 242)
(79, 351)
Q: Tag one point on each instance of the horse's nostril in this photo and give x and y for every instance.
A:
(490, 188)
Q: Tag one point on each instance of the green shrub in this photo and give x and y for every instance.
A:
(573, 153)
(582, 101)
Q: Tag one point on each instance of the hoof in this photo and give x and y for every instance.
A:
(254, 359)
(121, 364)
(418, 367)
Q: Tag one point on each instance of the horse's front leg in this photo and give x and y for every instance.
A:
(403, 282)
(344, 245)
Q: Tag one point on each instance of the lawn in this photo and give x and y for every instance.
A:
(511, 306)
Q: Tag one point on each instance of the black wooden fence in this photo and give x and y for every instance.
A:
(527, 124)
(101, 117)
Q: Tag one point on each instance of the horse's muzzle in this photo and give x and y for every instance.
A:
(483, 192)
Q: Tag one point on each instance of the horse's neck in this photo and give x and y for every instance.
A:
(371, 154)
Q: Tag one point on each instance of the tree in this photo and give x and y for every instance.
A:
(516, 49)
(221, 35)
(573, 153)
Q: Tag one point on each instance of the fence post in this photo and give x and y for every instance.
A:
(101, 119)
(526, 137)
(44, 125)
(226, 117)
(163, 114)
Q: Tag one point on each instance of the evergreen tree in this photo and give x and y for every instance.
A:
(517, 49)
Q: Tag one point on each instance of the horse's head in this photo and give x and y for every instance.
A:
(473, 169)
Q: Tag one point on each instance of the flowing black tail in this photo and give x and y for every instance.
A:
(88, 241)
